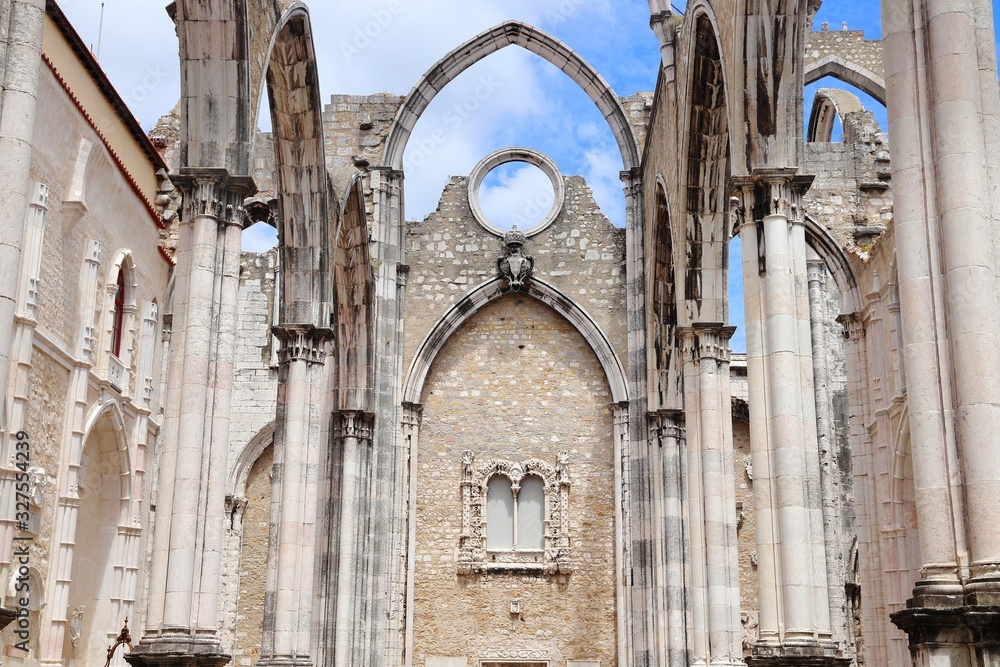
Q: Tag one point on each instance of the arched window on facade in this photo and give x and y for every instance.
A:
(515, 514)
(118, 318)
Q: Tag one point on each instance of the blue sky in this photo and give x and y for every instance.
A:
(385, 45)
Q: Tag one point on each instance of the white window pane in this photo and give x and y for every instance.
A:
(499, 514)
(531, 513)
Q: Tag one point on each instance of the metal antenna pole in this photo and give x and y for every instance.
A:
(100, 31)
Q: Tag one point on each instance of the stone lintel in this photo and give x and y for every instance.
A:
(794, 657)
(285, 661)
(798, 653)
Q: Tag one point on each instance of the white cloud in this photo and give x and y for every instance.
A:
(516, 194)
(259, 237)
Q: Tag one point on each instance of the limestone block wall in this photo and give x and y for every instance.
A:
(852, 193)
(255, 393)
(517, 381)
(355, 127)
(255, 379)
(850, 45)
(582, 254)
(249, 608)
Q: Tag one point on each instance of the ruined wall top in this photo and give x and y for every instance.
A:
(849, 45)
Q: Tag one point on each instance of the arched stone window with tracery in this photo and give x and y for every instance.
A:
(515, 516)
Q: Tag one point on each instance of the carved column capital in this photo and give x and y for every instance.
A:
(767, 192)
(302, 342)
(412, 414)
(664, 25)
(353, 424)
(706, 340)
(854, 325)
(214, 193)
(666, 424)
(816, 271)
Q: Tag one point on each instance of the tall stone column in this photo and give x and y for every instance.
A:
(714, 591)
(794, 619)
(941, 78)
(189, 535)
(295, 494)
(657, 489)
(353, 442)
(829, 472)
(21, 50)
(635, 426)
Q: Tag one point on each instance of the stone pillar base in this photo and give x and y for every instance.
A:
(177, 653)
(285, 661)
(944, 635)
(805, 654)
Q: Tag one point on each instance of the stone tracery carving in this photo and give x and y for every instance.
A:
(557, 554)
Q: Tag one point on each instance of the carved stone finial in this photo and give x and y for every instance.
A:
(515, 267)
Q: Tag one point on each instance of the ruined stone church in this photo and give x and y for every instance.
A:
(441, 443)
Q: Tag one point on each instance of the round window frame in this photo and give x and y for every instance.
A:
(528, 156)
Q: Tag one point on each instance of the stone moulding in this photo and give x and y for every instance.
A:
(528, 156)
(473, 556)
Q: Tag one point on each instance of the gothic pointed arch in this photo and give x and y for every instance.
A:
(837, 262)
(531, 39)
(707, 167)
(353, 292)
(492, 290)
(303, 197)
(829, 105)
(848, 72)
(663, 305)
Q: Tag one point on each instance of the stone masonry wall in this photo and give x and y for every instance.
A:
(517, 381)
(581, 253)
(355, 127)
(850, 45)
(253, 564)
(852, 193)
(255, 378)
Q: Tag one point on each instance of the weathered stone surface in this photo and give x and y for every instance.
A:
(515, 382)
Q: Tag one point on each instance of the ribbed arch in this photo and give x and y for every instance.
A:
(531, 39)
(353, 310)
(848, 72)
(492, 290)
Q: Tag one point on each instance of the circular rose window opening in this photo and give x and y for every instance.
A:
(516, 187)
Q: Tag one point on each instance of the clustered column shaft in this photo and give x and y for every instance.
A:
(190, 530)
(714, 583)
(295, 495)
(791, 549)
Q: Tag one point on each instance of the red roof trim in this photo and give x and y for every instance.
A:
(153, 213)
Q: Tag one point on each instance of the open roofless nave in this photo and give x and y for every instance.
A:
(447, 443)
